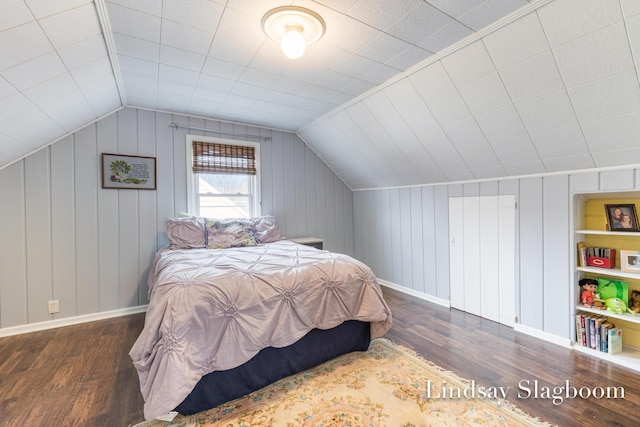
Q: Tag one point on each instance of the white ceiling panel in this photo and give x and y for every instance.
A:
(181, 58)
(412, 92)
(630, 8)
(448, 107)
(479, 156)
(33, 72)
(137, 48)
(617, 95)
(612, 133)
(445, 37)
(615, 157)
(501, 124)
(71, 26)
(469, 63)
(33, 43)
(549, 112)
(464, 134)
(532, 78)
(485, 94)
(411, 27)
(31, 127)
(595, 56)
(568, 20)
(431, 80)
(44, 8)
(583, 161)
(519, 149)
(515, 43)
(526, 168)
(560, 142)
(14, 14)
(133, 23)
(488, 12)
(10, 149)
(83, 52)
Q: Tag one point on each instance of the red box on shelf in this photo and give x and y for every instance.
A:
(601, 262)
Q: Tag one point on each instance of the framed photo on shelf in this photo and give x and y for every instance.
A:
(130, 172)
(622, 217)
(630, 261)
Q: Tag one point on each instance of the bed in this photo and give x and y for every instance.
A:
(224, 322)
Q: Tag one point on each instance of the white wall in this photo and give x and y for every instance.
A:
(64, 237)
(402, 233)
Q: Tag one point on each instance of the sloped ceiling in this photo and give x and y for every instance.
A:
(399, 92)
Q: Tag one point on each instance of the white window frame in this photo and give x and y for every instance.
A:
(191, 197)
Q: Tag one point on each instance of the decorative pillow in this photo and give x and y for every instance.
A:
(230, 233)
(267, 229)
(186, 233)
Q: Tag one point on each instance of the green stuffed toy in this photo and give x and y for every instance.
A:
(616, 306)
(613, 289)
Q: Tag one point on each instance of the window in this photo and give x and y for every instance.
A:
(222, 177)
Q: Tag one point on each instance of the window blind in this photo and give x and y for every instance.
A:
(210, 157)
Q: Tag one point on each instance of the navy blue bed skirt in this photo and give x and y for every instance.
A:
(272, 364)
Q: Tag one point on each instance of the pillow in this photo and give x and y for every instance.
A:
(230, 233)
(267, 229)
(186, 233)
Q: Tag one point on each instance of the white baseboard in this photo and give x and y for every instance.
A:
(417, 294)
(555, 339)
(68, 321)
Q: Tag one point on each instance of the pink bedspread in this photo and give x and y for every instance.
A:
(214, 309)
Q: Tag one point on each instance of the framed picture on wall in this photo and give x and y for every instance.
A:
(622, 217)
(128, 172)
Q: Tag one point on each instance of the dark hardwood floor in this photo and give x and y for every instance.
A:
(82, 375)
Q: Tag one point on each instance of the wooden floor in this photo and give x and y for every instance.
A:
(82, 375)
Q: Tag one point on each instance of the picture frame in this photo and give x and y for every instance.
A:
(622, 217)
(630, 261)
(128, 172)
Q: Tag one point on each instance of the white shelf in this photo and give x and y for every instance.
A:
(609, 272)
(609, 233)
(628, 317)
(630, 356)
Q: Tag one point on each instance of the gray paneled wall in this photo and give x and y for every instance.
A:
(64, 237)
(403, 234)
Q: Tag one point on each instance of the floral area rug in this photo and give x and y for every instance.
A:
(387, 385)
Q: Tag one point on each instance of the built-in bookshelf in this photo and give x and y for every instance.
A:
(590, 228)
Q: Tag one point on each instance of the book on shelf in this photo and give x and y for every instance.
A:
(592, 331)
(598, 327)
(580, 328)
(582, 254)
(587, 330)
(614, 340)
(604, 334)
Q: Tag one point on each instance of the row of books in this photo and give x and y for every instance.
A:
(596, 332)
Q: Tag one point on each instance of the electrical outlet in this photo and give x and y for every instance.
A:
(54, 306)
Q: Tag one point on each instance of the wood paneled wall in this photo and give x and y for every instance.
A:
(403, 234)
(64, 237)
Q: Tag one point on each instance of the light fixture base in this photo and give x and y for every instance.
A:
(275, 22)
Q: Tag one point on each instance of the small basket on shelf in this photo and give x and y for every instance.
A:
(601, 257)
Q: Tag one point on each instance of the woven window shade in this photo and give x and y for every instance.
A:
(209, 157)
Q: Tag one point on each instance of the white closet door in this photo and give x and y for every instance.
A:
(471, 258)
(456, 252)
(482, 256)
(489, 258)
(507, 259)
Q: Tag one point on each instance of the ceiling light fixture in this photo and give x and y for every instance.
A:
(294, 28)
